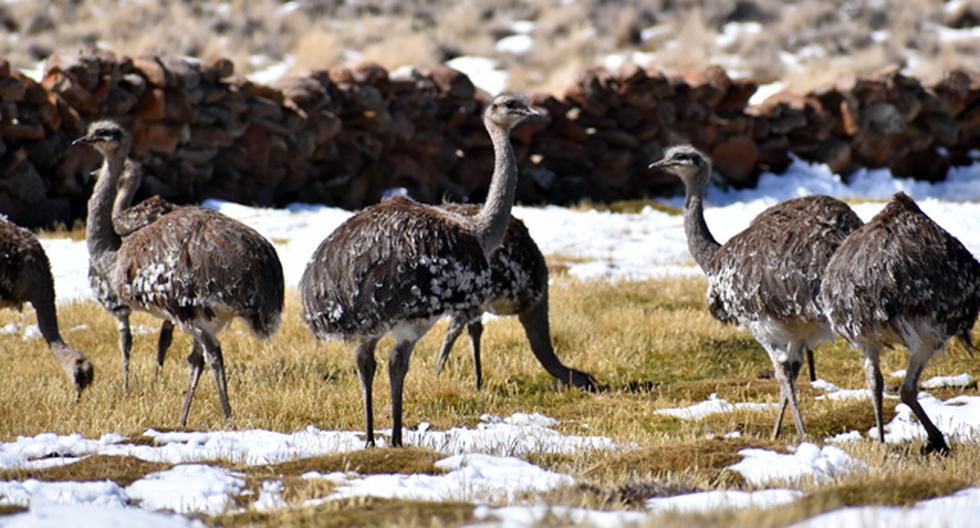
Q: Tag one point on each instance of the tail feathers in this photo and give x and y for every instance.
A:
(265, 323)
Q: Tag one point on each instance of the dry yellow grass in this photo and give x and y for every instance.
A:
(649, 344)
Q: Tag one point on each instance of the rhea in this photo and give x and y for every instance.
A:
(194, 267)
(767, 277)
(25, 276)
(519, 286)
(127, 219)
(400, 265)
(902, 279)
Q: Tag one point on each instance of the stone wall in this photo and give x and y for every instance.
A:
(344, 136)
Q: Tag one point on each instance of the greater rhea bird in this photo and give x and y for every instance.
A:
(127, 219)
(767, 277)
(194, 267)
(400, 265)
(902, 279)
(25, 276)
(519, 286)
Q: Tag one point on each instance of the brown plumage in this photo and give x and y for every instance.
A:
(767, 277)
(400, 265)
(127, 219)
(518, 286)
(902, 279)
(25, 276)
(194, 267)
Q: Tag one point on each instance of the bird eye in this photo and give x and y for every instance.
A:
(511, 104)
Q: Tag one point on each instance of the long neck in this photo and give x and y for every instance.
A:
(700, 242)
(41, 298)
(99, 234)
(490, 223)
(124, 196)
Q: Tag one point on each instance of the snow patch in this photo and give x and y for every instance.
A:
(723, 499)
(193, 488)
(760, 466)
(470, 477)
(713, 405)
(94, 516)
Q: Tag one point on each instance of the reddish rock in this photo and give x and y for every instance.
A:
(156, 138)
(152, 69)
(735, 158)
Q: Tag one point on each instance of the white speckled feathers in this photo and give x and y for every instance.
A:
(774, 267)
(194, 262)
(396, 261)
(518, 271)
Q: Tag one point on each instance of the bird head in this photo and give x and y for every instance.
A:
(106, 136)
(76, 365)
(507, 110)
(687, 163)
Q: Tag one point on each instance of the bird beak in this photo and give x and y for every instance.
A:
(84, 140)
(659, 164)
(531, 111)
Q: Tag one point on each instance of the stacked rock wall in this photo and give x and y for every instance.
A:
(344, 136)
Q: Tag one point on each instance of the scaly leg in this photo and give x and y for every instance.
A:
(452, 333)
(366, 366)
(876, 384)
(398, 362)
(195, 361)
(163, 343)
(213, 357)
(475, 329)
(918, 358)
(125, 344)
(811, 366)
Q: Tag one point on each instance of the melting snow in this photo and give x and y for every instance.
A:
(761, 466)
(723, 499)
(960, 509)
(193, 488)
(713, 405)
(530, 516)
(470, 477)
(939, 382)
(95, 516)
(957, 418)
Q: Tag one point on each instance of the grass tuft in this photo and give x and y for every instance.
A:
(123, 470)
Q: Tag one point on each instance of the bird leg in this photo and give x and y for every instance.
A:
(195, 362)
(125, 344)
(536, 328)
(786, 367)
(876, 384)
(398, 363)
(452, 333)
(366, 366)
(475, 329)
(909, 391)
(783, 402)
(810, 365)
(213, 357)
(163, 343)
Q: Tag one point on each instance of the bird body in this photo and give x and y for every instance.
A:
(193, 267)
(518, 286)
(767, 277)
(25, 276)
(902, 279)
(395, 261)
(398, 266)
